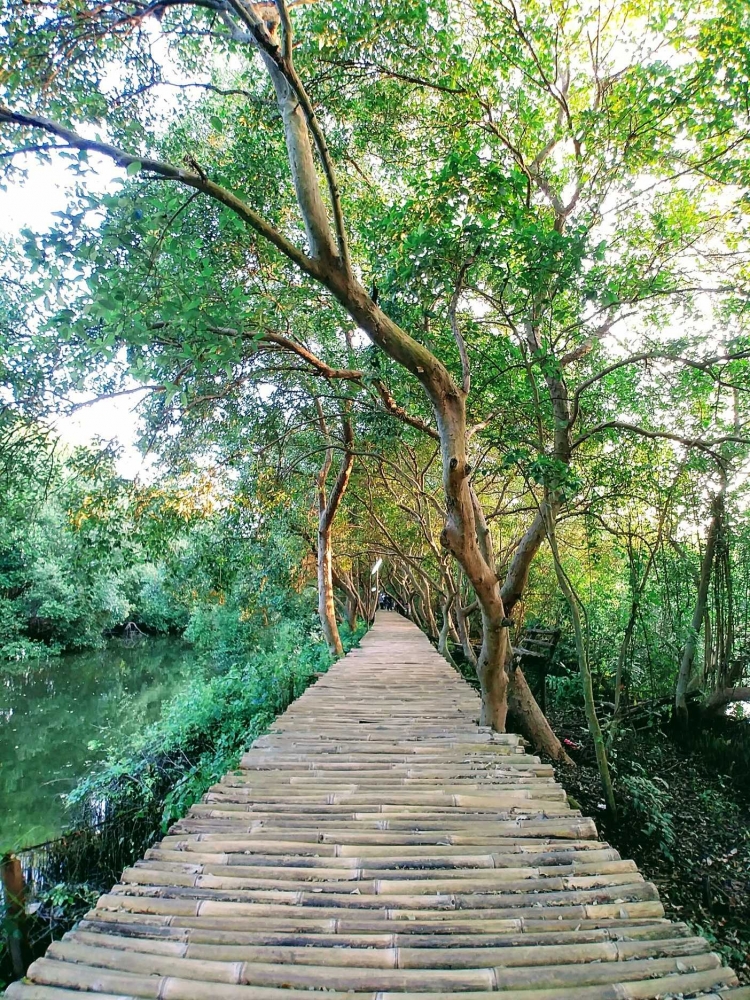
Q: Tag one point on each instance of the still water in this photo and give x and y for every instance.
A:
(55, 715)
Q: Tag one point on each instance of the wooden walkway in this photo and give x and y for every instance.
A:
(379, 844)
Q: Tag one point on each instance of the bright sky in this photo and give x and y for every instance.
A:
(31, 204)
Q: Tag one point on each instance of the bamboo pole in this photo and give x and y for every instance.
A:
(14, 892)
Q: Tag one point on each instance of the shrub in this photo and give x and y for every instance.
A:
(204, 730)
(645, 803)
(153, 605)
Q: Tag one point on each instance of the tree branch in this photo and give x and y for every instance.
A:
(193, 179)
(342, 479)
(689, 442)
(327, 371)
(398, 411)
(280, 65)
(457, 335)
(703, 366)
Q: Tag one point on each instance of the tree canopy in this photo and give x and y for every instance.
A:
(462, 285)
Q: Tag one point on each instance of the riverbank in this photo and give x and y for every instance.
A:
(59, 715)
(149, 778)
(684, 819)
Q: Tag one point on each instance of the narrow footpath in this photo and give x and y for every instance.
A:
(379, 843)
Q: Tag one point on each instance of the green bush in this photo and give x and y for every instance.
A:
(153, 605)
(565, 691)
(219, 630)
(645, 803)
(14, 645)
(204, 730)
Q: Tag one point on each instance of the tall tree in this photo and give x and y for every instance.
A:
(500, 257)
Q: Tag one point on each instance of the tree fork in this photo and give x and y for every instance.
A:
(324, 264)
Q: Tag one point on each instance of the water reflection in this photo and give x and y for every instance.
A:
(55, 715)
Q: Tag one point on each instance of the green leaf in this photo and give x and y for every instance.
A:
(135, 167)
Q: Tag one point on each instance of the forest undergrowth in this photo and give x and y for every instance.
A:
(683, 811)
(684, 817)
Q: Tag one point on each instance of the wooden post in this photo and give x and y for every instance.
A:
(15, 911)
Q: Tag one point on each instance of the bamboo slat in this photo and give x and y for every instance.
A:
(378, 844)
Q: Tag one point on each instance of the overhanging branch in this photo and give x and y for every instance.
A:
(325, 370)
(190, 178)
(689, 442)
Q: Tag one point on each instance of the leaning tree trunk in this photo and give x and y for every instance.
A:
(719, 700)
(328, 264)
(691, 644)
(327, 508)
(445, 628)
(527, 715)
(465, 536)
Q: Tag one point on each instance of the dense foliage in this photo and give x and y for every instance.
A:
(461, 286)
(73, 566)
(85, 553)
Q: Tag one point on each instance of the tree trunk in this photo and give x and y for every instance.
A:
(527, 715)
(424, 592)
(583, 665)
(352, 602)
(530, 720)
(452, 630)
(445, 608)
(621, 658)
(351, 613)
(326, 606)
(720, 699)
(327, 508)
(623, 655)
(688, 655)
(462, 534)
(462, 620)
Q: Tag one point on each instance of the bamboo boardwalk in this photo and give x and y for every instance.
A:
(378, 843)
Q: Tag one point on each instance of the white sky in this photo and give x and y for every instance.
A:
(30, 203)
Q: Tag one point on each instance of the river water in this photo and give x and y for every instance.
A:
(55, 716)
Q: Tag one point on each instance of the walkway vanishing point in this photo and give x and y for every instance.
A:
(378, 844)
